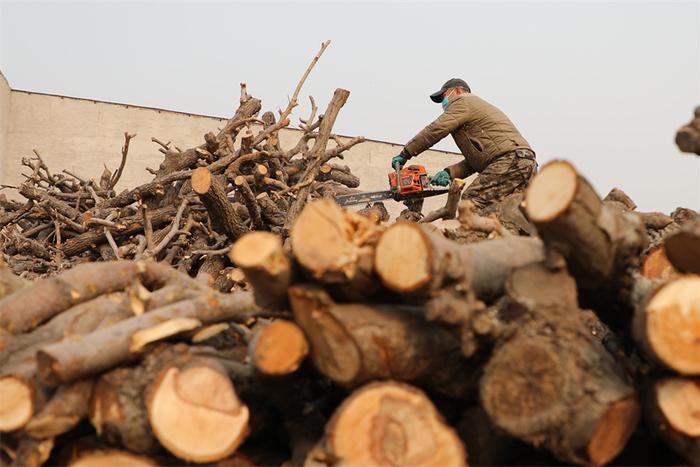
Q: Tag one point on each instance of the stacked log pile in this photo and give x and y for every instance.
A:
(228, 313)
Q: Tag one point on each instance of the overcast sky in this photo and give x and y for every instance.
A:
(602, 84)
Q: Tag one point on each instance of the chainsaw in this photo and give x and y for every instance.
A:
(407, 184)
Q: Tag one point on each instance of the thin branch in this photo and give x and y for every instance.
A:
(111, 242)
(147, 227)
(173, 231)
(125, 150)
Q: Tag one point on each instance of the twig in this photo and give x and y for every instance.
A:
(173, 231)
(165, 146)
(219, 252)
(147, 227)
(125, 150)
(111, 242)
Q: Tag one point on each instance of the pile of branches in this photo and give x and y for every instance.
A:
(199, 201)
(365, 343)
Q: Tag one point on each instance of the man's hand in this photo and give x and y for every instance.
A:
(399, 161)
(442, 178)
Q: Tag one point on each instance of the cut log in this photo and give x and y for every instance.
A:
(667, 326)
(599, 242)
(9, 282)
(270, 211)
(113, 458)
(411, 258)
(336, 247)
(209, 270)
(278, 348)
(683, 247)
(202, 394)
(266, 266)
(376, 212)
(164, 330)
(69, 360)
(212, 193)
(672, 410)
(391, 424)
(616, 195)
(552, 384)
(17, 405)
(355, 343)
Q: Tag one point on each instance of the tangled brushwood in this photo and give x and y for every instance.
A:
(230, 313)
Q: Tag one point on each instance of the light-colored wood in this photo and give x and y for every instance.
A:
(613, 430)
(266, 266)
(403, 258)
(656, 265)
(392, 424)
(551, 192)
(278, 348)
(16, 403)
(111, 458)
(679, 400)
(143, 337)
(196, 414)
(672, 325)
(201, 180)
(209, 331)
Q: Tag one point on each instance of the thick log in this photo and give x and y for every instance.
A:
(599, 242)
(9, 282)
(40, 196)
(412, 258)
(656, 264)
(355, 343)
(671, 409)
(277, 348)
(69, 360)
(335, 247)
(210, 269)
(553, 385)
(390, 423)
(683, 247)
(266, 266)
(212, 193)
(271, 213)
(667, 325)
(114, 457)
(344, 177)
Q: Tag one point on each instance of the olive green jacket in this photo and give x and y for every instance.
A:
(482, 133)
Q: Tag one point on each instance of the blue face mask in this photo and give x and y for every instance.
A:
(445, 102)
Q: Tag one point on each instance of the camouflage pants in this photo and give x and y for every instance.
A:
(506, 175)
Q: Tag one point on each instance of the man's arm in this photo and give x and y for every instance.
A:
(449, 121)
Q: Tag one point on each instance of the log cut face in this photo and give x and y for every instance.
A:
(195, 413)
(668, 327)
(673, 412)
(556, 387)
(392, 424)
(336, 247)
(278, 348)
(113, 458)
(17, 405)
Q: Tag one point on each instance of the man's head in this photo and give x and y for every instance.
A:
(452, 87)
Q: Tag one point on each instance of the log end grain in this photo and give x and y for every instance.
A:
(672, 326)
(113, 458)
(259, 249)
(656, 265)
(673, 413)
(403, 258)
(613, 430)
(16, 403)
(196, 414)
(201, 180)
(392, 424)
(278, 348)
(551, 192)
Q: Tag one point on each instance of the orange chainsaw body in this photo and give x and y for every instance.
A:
(411, 179)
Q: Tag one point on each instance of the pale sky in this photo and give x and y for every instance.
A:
(602, 84)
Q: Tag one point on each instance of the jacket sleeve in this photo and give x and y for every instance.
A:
(460, 170)
(454, 117)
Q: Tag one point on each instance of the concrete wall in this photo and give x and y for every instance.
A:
(81, 135)
(5, 99)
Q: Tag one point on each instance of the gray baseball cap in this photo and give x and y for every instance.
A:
(452, 83)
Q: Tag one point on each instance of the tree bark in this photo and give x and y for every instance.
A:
(355, 343)
(376, 212)
(599, 242)
(413, 259)
(212, 193)
(683, 247)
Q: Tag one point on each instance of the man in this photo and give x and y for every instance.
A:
(489, 141)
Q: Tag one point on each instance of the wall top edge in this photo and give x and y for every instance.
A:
(189, 114)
